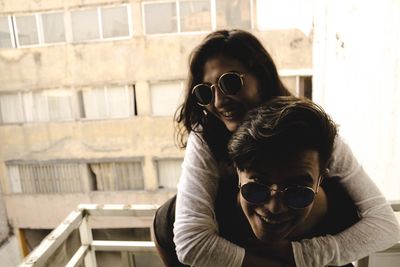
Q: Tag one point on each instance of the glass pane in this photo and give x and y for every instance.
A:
(118, 102)
(11, 108)
(85, 25)
(165, 98)
(27, 30)
(53, 27)
(39, 109)
(195, 16)
(169, 171)
(94, 103)
(59, 105)
(5, 38)
(233, 14)
(115, 21)
(160, 18)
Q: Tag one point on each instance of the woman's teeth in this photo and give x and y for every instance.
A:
(227, 113)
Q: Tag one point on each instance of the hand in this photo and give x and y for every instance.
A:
(280, 250)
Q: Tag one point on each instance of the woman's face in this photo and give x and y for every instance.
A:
(230, 109)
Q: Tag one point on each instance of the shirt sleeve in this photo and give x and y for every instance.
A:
(377, 229)
(195, 228)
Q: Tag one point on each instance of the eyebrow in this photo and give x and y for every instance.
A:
(306, 178)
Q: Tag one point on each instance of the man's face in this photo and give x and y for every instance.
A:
(274, 219)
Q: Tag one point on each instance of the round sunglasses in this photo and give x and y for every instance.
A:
(295, 196)
(230, 83)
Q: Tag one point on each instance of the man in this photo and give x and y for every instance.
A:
(280, 152)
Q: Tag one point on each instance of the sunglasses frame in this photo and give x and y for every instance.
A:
(241, 76)
(281, 191)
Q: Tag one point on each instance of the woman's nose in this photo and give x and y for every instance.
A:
(219, 97)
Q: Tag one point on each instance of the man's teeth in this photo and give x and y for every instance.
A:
(265, 219)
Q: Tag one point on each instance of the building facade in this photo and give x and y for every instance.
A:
(88, 89)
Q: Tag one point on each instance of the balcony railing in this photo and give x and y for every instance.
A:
(79, 219)
(85, 254)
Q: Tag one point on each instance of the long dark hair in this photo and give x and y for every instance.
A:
(248, 50)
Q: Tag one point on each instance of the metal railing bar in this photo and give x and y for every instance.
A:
(119, 210)
(52, 241)
(132, 246)
(78, 257)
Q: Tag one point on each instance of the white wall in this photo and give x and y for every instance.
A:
(9, 253)
(357, 79)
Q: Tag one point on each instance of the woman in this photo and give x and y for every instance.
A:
(230, 73)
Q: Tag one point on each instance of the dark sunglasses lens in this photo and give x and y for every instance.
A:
(230, 83)
(255, 193)
(299, 197)
(203, 94)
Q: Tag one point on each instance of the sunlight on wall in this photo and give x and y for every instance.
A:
(357, 79)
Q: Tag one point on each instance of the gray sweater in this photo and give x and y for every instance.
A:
(196, 230)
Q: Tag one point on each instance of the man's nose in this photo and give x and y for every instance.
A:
(276, 203)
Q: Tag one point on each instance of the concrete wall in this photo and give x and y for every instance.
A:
(9, 253)
(357, 79)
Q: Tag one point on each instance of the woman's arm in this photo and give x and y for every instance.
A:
(195, 228)
(377, 229)
(196, 234)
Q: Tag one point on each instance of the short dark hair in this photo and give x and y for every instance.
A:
(239, 45)
(281, 127)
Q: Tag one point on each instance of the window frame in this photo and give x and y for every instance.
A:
(127, 87)
(39, 28)
(100, 23)
(30, 118)
(181, 84)
(22, 106)
(156, 161)
(297, 74)
(13, 37)
(213, 18)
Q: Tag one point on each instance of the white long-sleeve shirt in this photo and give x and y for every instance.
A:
(196, 229)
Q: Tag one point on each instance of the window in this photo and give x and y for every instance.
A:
(195, 16)
(53, 27)
(45, 178)
(11, 107)
(113, 176)
(234, 14)
(50, 105)
(298, 85)
(100, 23)
(181, 16)
(108, 102)
(37, 29)
(6, 37)
(168, 171)
(160, 17)
(165, 97)
(115, 21)
(46, 105)
(27, 30)
(85, 24)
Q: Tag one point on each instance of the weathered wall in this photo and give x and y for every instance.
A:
(357, 79)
